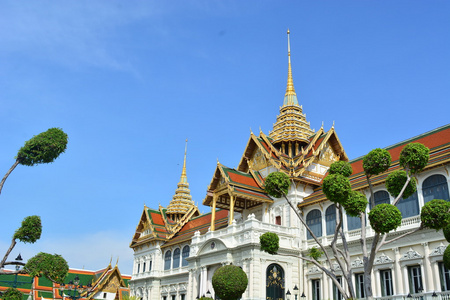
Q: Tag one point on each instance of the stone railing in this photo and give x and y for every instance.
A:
(247, 232)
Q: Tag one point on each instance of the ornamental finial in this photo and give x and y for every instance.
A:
(290, 98)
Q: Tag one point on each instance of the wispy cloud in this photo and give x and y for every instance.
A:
(70, 32)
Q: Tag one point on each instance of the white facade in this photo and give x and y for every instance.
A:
(238, 244)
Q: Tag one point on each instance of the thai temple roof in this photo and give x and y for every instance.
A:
(291, 124)
(182, 200)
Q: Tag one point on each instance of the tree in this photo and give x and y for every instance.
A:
(42, 148)
(383, 218)
(229, 282)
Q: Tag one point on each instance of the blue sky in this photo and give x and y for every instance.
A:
(129, 81)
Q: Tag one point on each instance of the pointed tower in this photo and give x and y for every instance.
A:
(291, 130)
(182, 200)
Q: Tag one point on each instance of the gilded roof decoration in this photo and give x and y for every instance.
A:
(291, 124)
(182, 200)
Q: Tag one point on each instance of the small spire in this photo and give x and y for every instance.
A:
(183, 172)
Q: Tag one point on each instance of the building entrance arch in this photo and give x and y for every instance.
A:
(274, 282)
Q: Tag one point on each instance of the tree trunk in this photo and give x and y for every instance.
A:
(7, 174)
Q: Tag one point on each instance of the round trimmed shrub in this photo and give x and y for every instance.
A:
(54, 267)
(30, 231)
(446, 231)
(270, 242)
(377, 161)
(385, 217)
(277, 184)
(414, 157)
(336, 187)
(435, 214)
(446, 257)
(43, 148)
(229, 282)
(12, 294)
(395, 182)
(356, 203)
(341, 167)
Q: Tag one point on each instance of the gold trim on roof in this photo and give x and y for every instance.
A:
(182, 200)
(291, 124)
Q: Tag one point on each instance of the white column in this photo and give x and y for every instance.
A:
(376, 286)
(398, 275)
(428, 285)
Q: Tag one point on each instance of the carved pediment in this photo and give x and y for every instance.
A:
(327, 156)
(411, 254)
(383, 259)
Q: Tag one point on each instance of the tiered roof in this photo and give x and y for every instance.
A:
(108, 280)
(291, 147)
(181, 203)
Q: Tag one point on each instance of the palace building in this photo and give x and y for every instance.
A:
(177, 249)
(107, 284)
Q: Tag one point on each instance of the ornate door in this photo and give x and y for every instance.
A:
(274, 282)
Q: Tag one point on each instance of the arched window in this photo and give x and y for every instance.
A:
(176, 258)
(435, 187)
(410, 206)
(167, 260)
(185, 255)
(330, 219)
(353, 223)
(314, 221)
(380, 197)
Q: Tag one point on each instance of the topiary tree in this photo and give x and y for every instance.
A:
(42, 148)
(277, 184)
(269, 242)
(54, 267)
(229, 282)
(435, 214)
(383, 217)
(12, 294)
(341, 167)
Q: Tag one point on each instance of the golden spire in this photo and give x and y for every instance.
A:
(290, 98)
(291, 124)
(182, 200)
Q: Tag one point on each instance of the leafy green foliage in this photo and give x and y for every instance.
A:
(43, 148)
(446, 231)
(270, 242)
(435, 214)
(229, 282)
(414, 157)
(385, 217)
(54, 267)
(205, 298)
(395, 182)
(12, 294)
(315, 253)
(341, 167)
(446, 257)
(356, 203)
(336, 187)
(30, 231)
(277, 184)
(377, 161)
